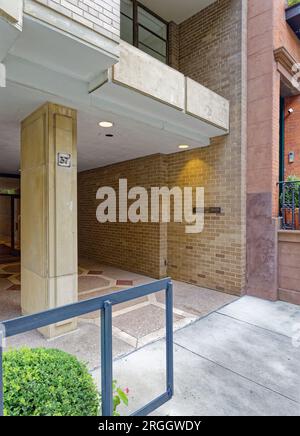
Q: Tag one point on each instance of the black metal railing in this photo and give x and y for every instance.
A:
(104, 304)
(289, 204)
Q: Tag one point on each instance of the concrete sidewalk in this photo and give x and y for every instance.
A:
(239, 360)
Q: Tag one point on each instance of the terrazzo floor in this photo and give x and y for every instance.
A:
(135, 323)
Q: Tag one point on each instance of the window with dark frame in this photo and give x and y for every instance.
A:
(144, 29)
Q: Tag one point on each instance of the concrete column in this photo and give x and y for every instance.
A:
(49, 212)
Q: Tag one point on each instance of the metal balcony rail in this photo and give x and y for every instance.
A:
(104, 304)
(289, 204)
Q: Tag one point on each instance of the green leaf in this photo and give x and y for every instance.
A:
(123, 396)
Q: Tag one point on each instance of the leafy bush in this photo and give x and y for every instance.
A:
(293, 2)
(46, 382)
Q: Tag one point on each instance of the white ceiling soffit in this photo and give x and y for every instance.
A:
(176, 10)
(154, 112)
(71, 92)
(131, 138)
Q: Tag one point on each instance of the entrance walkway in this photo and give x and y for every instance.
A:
(242, 359)
(135, 324)
(232, 356)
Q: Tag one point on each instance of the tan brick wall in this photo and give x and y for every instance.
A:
(137, 247)
(103, 16)
(211, 259)
(210, 51)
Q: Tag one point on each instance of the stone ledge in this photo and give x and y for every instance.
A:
(285, 63)
(289, 296)
(289, 236)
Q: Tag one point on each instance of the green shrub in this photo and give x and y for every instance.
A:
(46, 382)
(293, 2)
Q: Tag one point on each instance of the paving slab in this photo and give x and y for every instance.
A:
(87, 283)
(195, 300)
(262, 356)
(277, 316)
(144, 321)
(10, 304)
(202, 388)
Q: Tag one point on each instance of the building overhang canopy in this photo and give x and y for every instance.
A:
(48, 39)
(155, 91)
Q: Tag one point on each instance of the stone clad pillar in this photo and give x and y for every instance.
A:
(49, 212)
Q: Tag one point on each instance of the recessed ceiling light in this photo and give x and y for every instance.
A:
(183, 146)
(106, 124)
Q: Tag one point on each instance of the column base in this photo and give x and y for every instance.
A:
(39, 294)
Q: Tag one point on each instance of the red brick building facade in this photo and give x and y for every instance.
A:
(273, 49)
(292, 137)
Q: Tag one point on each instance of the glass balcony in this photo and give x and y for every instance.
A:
(144, 29)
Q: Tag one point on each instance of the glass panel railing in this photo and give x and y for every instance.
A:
(151, 41)
(152, 23)
(127, 29)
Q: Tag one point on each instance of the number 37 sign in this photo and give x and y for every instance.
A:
(64, 160)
